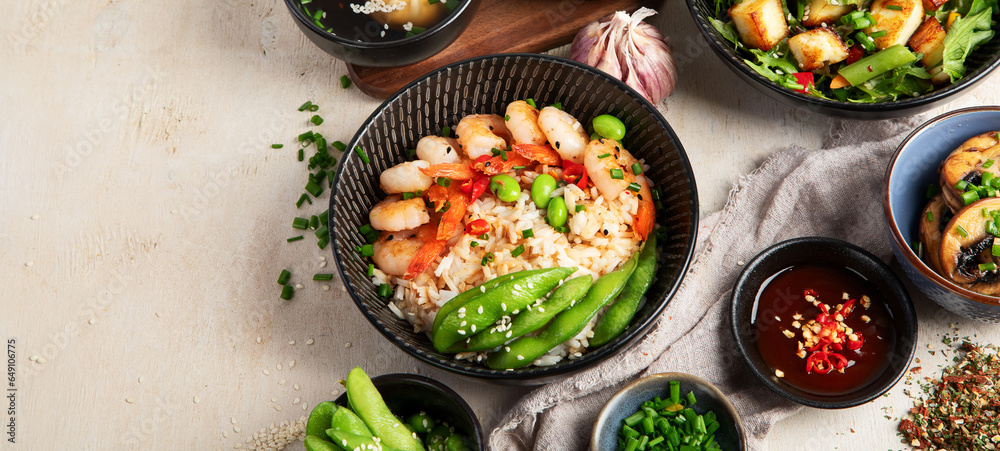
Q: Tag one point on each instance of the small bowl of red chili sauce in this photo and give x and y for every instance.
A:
(823, 322)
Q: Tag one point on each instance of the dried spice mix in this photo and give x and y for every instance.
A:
(960, 410)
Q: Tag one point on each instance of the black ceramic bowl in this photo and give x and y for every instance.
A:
(486, 85)
(980, 63)
(810, 250)
(356, 39)
(408, 394)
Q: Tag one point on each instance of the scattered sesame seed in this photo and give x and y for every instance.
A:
(140, 379)
(196, 400)
(296, 400)
(278, 408)
(291, 364)
(310, 341)
(259, 339)
(266, 372)
(232, 420)
(41, 360)
(347, 345)
(281, 382)
(32, 358)
(35, 217)
(326, 288)
(299, 286)
(158, 314)
(292, 343)
(129, 400)
(29, 263)
(236, 429)
(322, 264)
(296, 386)
(92, 321)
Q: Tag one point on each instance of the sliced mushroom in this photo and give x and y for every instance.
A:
(965, 244)
(935, 217)
(966, 163)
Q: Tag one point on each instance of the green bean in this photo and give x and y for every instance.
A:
(523, 351)
(351, 441)
(421, 423)
(467, 295)
(505, 187)
(366, 401)
(314, 443)
(347, 421)
(529, 321)
(457, 443)
(319, 419)
(542, 188)
(485, 309)
(609, 127)
(874, 65)
(557, 212)
(618, 316)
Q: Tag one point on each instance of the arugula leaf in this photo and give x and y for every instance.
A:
(727, 30)
(964, 35)
(904, 81)
(778, 69)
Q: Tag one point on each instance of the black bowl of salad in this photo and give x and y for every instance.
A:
(862, 59)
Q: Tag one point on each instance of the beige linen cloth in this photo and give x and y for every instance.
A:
(833, 192)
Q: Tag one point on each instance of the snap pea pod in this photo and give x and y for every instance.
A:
(530, 320)
(352, 442)
(314, 443)
(347, 421)
(319, 419)
(467, 295)
(618, 316)
(483, 310)
(524, 350)
(367, 403)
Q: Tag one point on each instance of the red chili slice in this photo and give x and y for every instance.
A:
(575, 174)
(478, 188)
(477, 227)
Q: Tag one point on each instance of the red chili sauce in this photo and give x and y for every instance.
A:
(781, 304)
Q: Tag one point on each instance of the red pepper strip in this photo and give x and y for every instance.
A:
(825, 309)
(575, 174)
(810, 293)
(477, 227)
(478, 188)
(541, 154)
(855, 345)
(805, 79)
(847, 309)
(854, 54)
(819, 362)
(839, 362)
(466, 186)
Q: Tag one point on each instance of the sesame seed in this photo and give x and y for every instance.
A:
(258, 340)
(129, 400)
(347, 345)
(92, 321)
(35, 217)
(281, 382)
(326, 288)
(140, 379)
(266, 372)
(291, 364)
(41, 360)
(292, 343)
(480, 310)
(232, 420)
(520, 357)
(236, 429)
(278, 408)
(295, 386)
(195, 399)
(310, 341)
(278, 366)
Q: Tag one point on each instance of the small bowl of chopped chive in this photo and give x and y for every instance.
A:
(382, 33)
(672, 409)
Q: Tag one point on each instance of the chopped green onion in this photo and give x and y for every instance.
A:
(303, 198)
(961, 185)
(988, 266)
(506, 117)
(284, 277)
(446, 132)
(989, 163)
(517, 251)
(527, 233)
(473, 244)
(444, 181)
(930, 215)
(484, 236)
(634, 187)
(637, 168)
(322, 231)
(316, 120)
(961, 231)
(561, 229)
(294, 239)
(879, 34)
(932, 190)
(984, 211)
(531, 102)
(384, 290)
(323, 241)
(557, 105)
(324, 217)
(323, 277)
(305, 105)
(408, 195)
(495, 151)
(503, 155)
(657, 193)
(340, 146)
(302, 155)
(894, 8)
(345, 81)
(371, 269)
(366, 250)
(866, 42)
(996, 250)
(617, 174)
(277, 146)
(410, 152)
(970, 196)
(366, 229)
(487, 259)
(287, 292)
(604, 155)
(987, 178)
(314, 108)
(307, 136)
(314, 188)
(300, 223)
(518, 167)
(580, 208)
(362, 154)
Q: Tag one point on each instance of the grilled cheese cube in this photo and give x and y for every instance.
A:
(818, 12)
(761, 23)
(929, 40)
(817, 48)
(899, 25)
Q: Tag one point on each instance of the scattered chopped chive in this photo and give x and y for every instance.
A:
(932, 190)
(894, 8)
(384, 290)
(473, 244)
(604, 155)
(340, 146)
(487, 259)
(313, 108)
(278, 146)
(880, 33)
(557, 105)
(345, 81)
(294, 239)
(518, 167)
(527, 233)
(305, 105)
(506, 117)
(987, 178)
(284, 277)
(444, 181)
(517, 251)
(617, 174)
(366, 229)
(302, 154)
(287, 292)
(323, 277)
(657, 193)
(322, 231)
(634, 187)
(320, 143)
(371, 269)
(302, 199)
(961, 185)
(637, 168)
(531, 102)
(988, 266)
(930, 215)
(366, 250)
(484, 236)
(307, 136)
(323, 241)
(316, 120)
(300, 223)
(446, 132)
(970, 196)
(445, 207)
(503, 155)
(408, 196)
(495, 151)
(362, 154)
(996, 250)
(314, 188)
(985, 212)
(561, 229)
(917, 248)
(580, 208)
(411, 152)
(329, 176)
(961, 231)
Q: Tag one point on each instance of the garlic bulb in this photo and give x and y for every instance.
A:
(630, 50)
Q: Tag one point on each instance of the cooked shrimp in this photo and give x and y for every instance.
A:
(436, 149)
(541, 154)
(394, 251)
(645, 216)
(394, 214)
(565, 134)
(479, 134)
(405, 177)
(600, 170)
(522, 121)
(966, 163)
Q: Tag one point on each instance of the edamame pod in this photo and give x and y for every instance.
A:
(347, 421)
(314, 443)
(524, 350)
(457, 443)
(421, 423)
(353, 442)
(618, 316)
(367, 403)
(467, 295)
(530, 320)
(437, 438)
(319, 419)
(484, 310)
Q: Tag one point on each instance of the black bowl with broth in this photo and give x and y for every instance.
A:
(486, 85)
(358, 39)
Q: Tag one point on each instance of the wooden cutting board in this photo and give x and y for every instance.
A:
(499, 26)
